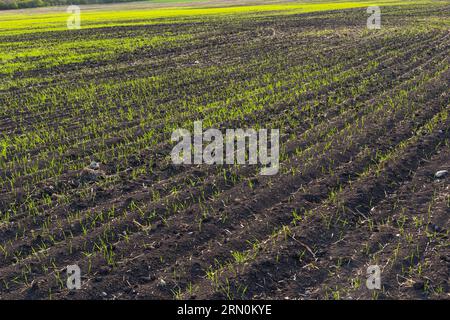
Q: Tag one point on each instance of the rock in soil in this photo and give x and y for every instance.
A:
(440, 174)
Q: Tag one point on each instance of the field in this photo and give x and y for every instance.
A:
(364, 127)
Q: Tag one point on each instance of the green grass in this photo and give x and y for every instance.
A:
(18, 56)
(13, 23)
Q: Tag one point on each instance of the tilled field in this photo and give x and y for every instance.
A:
(363, 117)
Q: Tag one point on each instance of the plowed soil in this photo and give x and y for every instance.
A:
(363, 116)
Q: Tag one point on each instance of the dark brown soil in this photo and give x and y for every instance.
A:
(363, 134)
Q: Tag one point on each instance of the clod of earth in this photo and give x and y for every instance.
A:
(90, 175)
